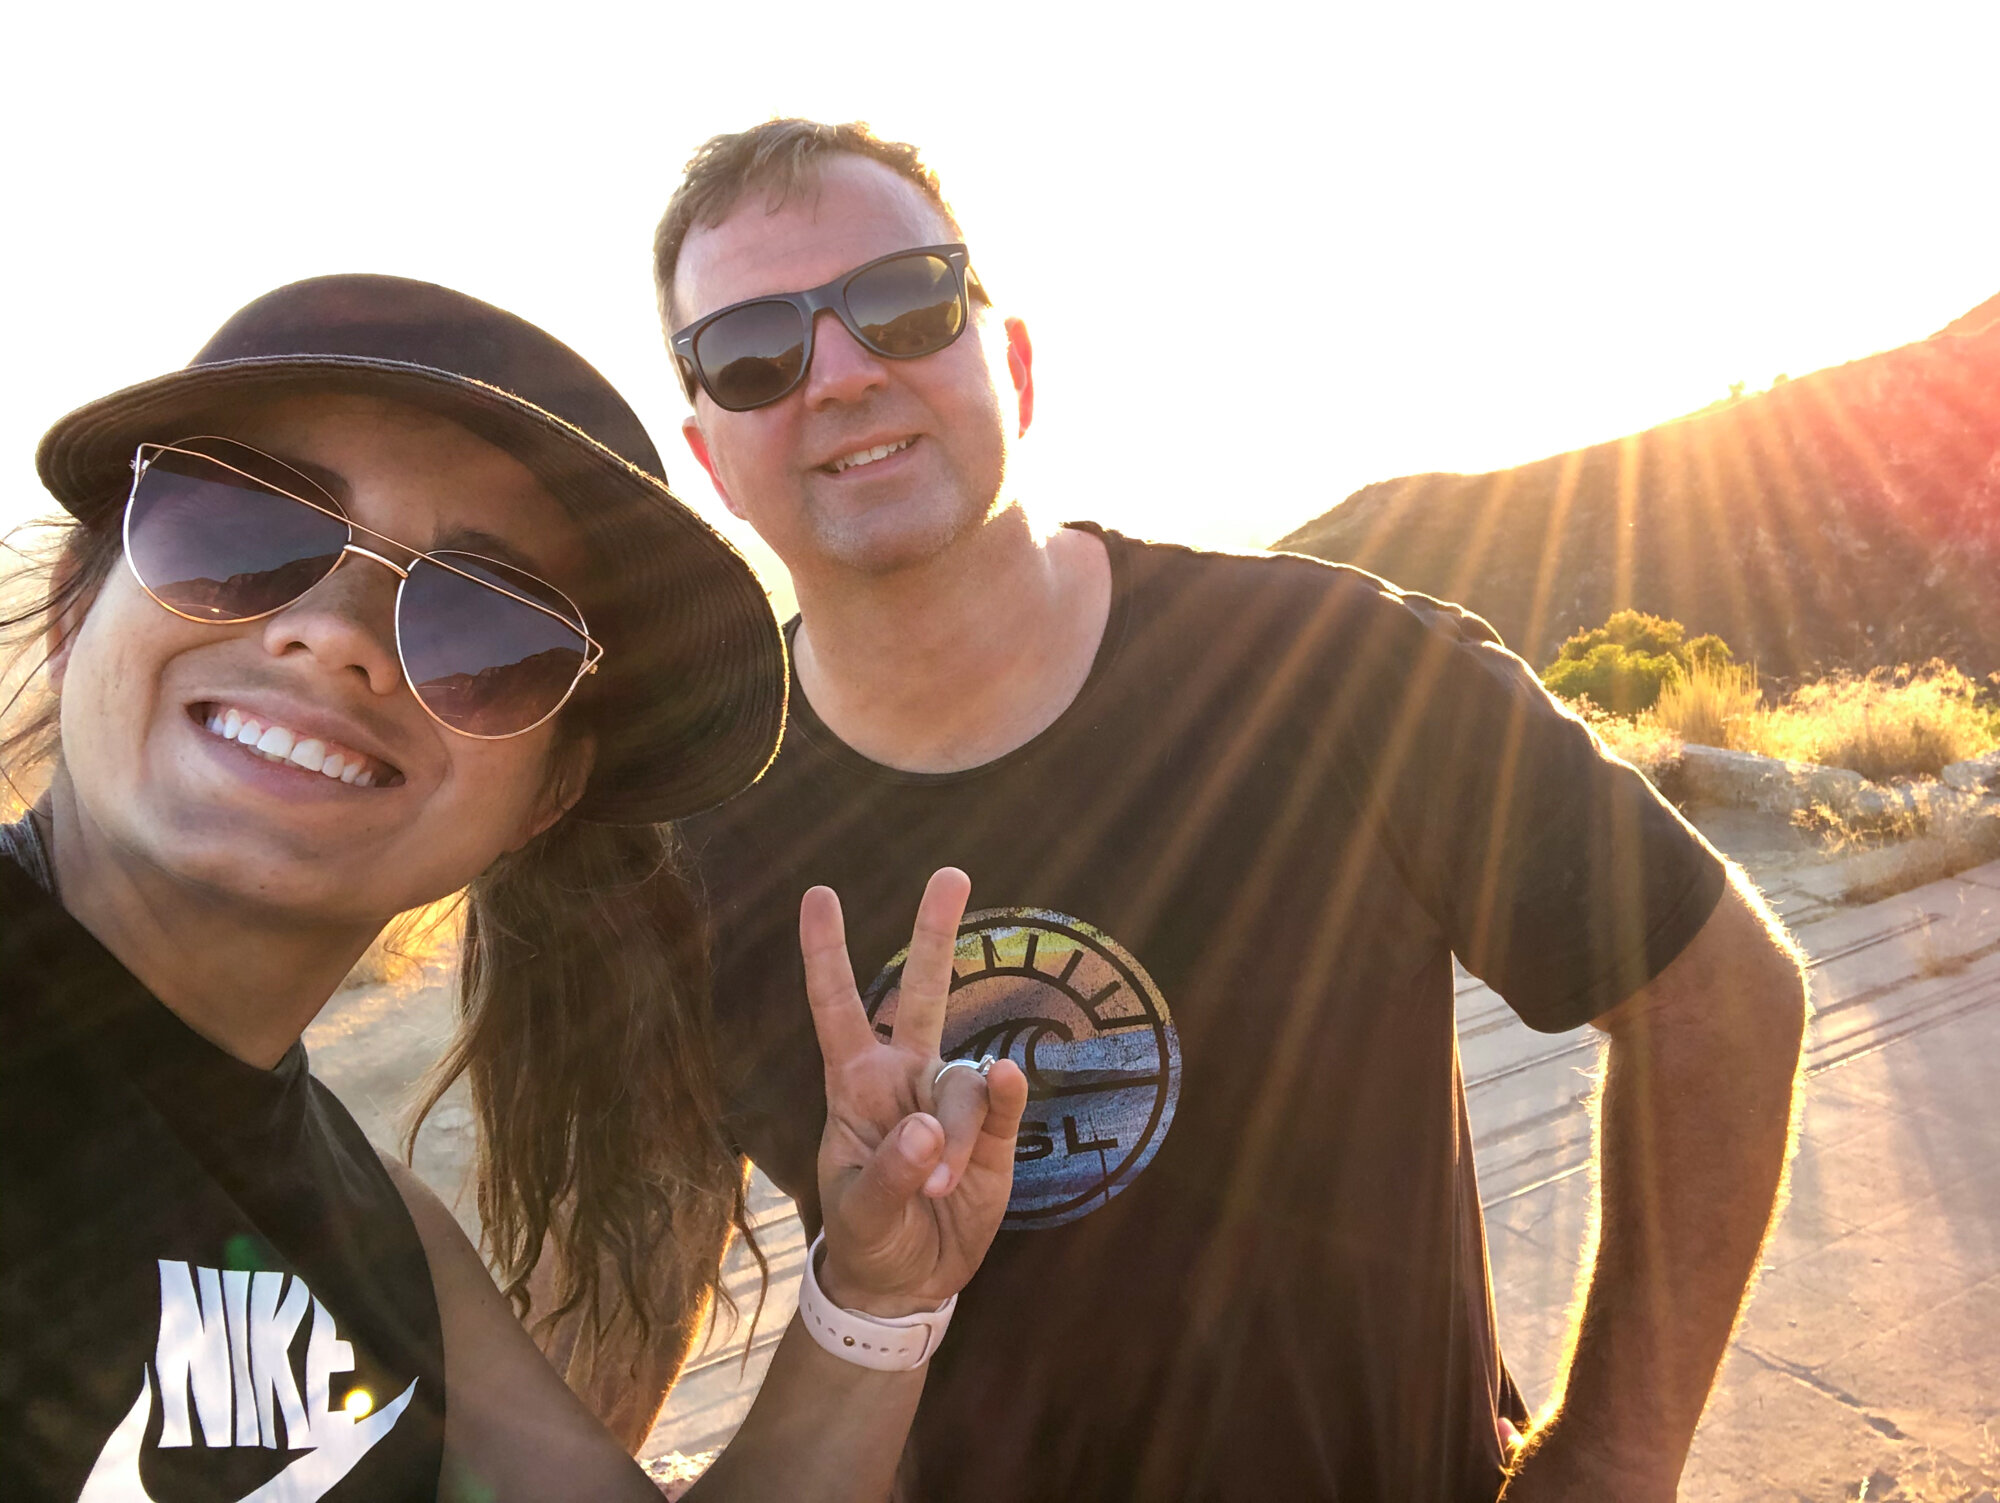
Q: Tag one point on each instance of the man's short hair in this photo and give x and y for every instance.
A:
(783, 158)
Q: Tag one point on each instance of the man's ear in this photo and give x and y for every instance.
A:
(697, 442)
(567, 779)
(1021, 366)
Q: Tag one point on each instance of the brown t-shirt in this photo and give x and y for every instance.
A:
(1213, 913)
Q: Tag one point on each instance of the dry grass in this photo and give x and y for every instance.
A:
(1840, 832)
(418, 946)
(1932, 961)
(1708, 703)
(1928, 1476)
(1645, 743)
(1891, 723)
(1905, 722)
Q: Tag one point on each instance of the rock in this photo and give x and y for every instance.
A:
(1978, 775)
(673, 1474)
(1743, 780)
(1714, 775)
(1887, 808)
(1954, 814)
(1871, 805)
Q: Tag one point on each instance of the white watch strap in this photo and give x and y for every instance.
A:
(887, 1345)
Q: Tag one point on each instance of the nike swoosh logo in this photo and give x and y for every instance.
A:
(115, 1478)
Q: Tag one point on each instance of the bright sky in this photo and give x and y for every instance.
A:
(1268, 253)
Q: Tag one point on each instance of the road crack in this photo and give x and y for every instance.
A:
(1880, 1424)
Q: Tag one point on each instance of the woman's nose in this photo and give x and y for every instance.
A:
(346, 623)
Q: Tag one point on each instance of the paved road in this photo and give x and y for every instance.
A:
(1872, 1346)
(1872, 1343)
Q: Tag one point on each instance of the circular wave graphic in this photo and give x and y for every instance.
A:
(1089, 1029)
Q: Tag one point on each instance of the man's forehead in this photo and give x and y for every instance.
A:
(851, 211)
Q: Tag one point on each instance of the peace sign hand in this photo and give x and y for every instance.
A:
(914, 1172)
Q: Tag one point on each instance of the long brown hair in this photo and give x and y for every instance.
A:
(583, 1030)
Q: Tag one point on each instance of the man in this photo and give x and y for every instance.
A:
(1227, 820)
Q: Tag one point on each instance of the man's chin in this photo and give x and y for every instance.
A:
(893, 539)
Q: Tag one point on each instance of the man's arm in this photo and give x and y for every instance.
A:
(1694, 1131)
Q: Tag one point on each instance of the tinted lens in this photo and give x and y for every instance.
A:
(752, 355)
(906, 307)
(218, 544)
(483, 662)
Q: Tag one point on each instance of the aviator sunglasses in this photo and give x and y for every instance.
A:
(218, 532)
(901, 306)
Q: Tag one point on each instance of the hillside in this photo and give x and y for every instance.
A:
(1850, 518)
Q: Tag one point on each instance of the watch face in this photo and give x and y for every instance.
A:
(1080, 1016)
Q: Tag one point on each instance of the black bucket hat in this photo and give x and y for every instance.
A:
(690, 701)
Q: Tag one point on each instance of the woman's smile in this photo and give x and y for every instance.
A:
(266, 738)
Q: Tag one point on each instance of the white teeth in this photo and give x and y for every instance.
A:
(869, 456)
(277, 743)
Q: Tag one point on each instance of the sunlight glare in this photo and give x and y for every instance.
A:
(1267, 257)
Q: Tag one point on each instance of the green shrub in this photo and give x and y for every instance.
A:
(1633, 630)
(1903, 722)
(1623, 665)
(1613, 677)
(1708, 651)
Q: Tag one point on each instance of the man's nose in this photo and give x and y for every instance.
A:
(843, 369)
(346, 624)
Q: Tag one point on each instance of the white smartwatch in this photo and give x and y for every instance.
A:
(892, 1345)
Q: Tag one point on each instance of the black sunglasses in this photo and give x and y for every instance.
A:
(901, 306)
(219, 532)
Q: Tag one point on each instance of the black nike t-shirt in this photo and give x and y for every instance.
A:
(1213, 912)
(210, 1289)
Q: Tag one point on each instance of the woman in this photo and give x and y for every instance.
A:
(396, 604)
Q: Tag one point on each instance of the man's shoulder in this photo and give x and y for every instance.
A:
(1291, 582)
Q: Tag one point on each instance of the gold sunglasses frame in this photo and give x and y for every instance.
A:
(141, 462)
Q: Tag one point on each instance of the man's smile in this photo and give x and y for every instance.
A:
(872, 454)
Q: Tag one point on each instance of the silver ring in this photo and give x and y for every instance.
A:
(981, 1068)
